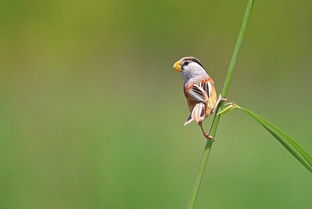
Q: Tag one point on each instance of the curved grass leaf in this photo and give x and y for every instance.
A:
(290, 144)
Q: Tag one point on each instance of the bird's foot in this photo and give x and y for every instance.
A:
(220, 99)
(208, 137)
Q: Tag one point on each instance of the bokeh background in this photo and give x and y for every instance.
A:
(91, 112)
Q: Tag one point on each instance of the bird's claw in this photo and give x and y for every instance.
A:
(220, 99)
(208, 137)
(223, 99)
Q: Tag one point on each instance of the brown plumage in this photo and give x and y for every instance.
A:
(212, 97)
(199, 90)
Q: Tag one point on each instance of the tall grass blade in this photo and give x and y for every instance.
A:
(238, 44)
(216, 119)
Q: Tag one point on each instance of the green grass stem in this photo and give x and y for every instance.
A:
(216, 119)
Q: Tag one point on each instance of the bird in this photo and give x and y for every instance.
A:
(199, 90)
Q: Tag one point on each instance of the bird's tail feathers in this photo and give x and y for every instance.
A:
(188, 120)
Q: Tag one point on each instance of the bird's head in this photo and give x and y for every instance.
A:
(189, 67)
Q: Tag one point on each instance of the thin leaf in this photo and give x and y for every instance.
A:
(230, 106)
(290, 144)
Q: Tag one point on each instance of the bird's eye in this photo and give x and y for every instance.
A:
(186, 63)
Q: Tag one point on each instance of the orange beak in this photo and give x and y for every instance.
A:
(177, 66)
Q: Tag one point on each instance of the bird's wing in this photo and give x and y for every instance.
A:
(207, 87)
(197, 92)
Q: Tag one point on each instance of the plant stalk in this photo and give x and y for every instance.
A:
(216, 119)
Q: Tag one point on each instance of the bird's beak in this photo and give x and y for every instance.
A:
(177, 66)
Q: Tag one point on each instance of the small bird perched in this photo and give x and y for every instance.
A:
(199, 91)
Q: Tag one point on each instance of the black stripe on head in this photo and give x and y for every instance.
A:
(186, 60)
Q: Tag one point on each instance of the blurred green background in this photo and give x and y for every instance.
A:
(91, 112)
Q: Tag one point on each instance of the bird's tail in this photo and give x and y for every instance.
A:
(197, 114)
